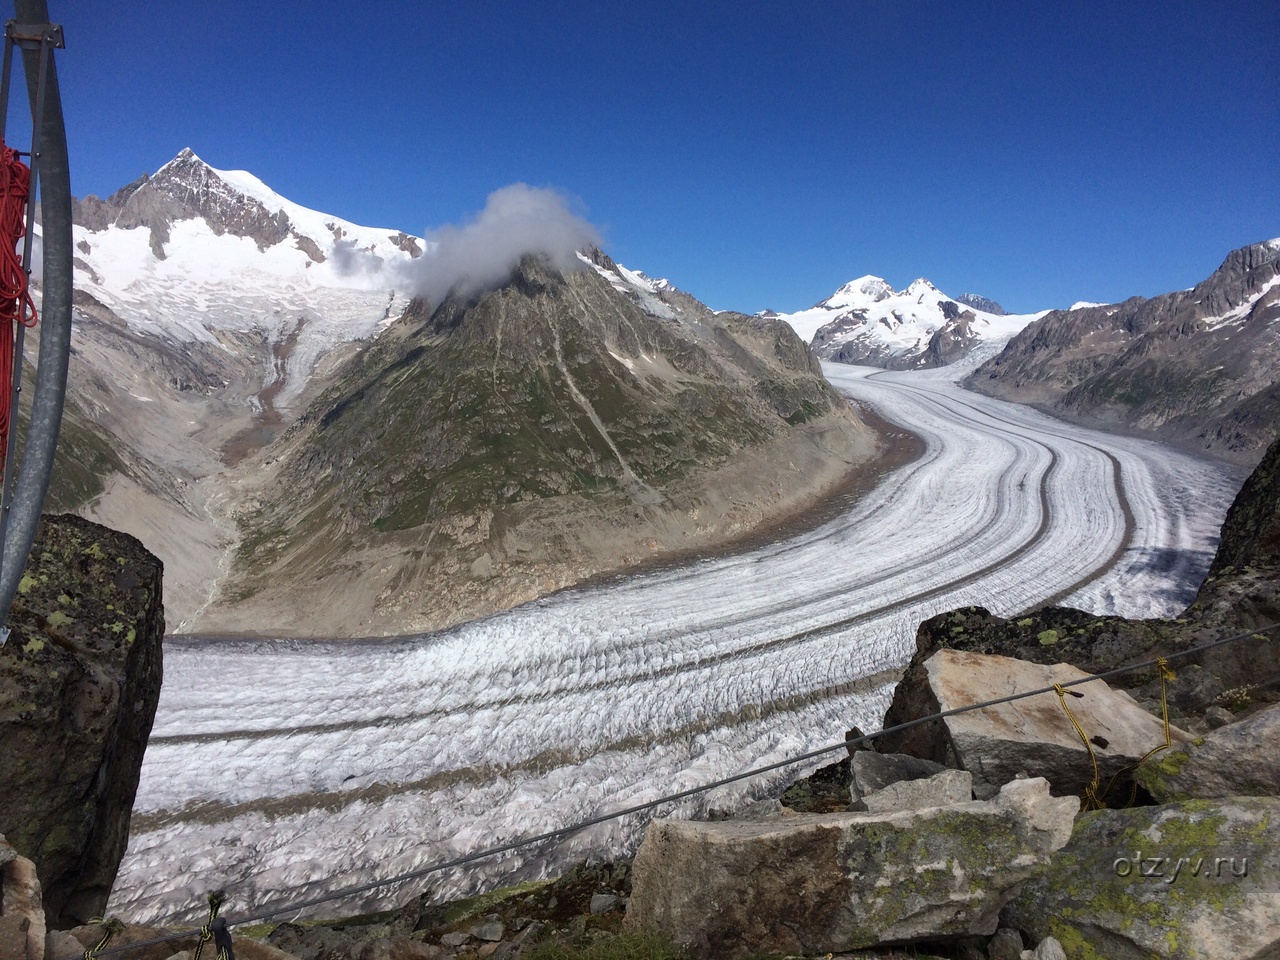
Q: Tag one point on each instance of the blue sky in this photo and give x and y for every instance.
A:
(758, 154)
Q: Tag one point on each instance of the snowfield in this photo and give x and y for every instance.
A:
(280, 770)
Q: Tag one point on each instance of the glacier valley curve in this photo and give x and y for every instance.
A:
(281, 770)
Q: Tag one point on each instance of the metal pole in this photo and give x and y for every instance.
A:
(55, 324)
(4, 87)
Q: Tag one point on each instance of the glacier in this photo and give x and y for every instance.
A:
(281, 770)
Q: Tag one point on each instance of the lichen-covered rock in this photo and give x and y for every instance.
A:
(79, 682)
(1185, 880)
(1005, 945)
(1048, 636)
(1240, 759)
(825, 883)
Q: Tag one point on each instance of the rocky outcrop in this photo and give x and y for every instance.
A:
(1239, 759)
(22, 924)
(825, 883)
(1195, 367)
(1183, 880)
(79, 682)
(1243, 585)
(953, 340)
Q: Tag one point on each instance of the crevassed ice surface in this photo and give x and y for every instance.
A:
(283, 770)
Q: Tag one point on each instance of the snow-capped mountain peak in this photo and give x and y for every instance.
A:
(857, 291)
(193, 253)
(868, 321)
(923, 288)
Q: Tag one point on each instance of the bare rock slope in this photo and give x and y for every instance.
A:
(1196, 367)
(493, 449)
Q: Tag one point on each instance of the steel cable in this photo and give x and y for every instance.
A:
(561, 832)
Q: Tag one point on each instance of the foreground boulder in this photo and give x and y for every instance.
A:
(1180, 881)
(815, 884)
(1032, 736)
(1240, 759)
(79, 683)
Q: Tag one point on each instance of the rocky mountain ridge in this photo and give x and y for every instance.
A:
(1195, 367)
(229, 202)
(979, 302)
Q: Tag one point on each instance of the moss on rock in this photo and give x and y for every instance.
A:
(81, 698)
(1179, 881)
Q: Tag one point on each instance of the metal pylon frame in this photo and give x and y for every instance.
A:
(24, 484)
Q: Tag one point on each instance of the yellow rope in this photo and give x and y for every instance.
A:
(113, 927)
(1095, 799)
(1091, 800)
(216, 900)
(1166, 676)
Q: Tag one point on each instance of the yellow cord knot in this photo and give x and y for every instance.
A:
(216, 900)
(113, 927)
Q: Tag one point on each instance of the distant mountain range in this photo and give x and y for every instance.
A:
(310, 452)
(867, 322)
(1193, 367)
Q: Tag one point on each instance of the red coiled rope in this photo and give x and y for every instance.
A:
(16, 305)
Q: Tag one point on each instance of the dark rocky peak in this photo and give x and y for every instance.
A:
(985, 304)
(1239, 279)
(188, 187)
(1242, 262)
(600, 258)
(533, 276)
(185, 188)
(951, 311)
